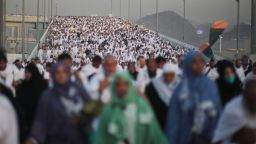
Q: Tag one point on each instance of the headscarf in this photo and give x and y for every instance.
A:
(36, 76)
(164, 90)
(194, 107)
(72, 95)
(114, 125)
(56, 86)
(227, 91)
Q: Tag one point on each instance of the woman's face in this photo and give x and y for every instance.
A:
(28, 75)
(61, 76)
(197, 65)
(122, 87)
(228, 72)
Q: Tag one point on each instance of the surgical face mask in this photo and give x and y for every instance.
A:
(230, 79)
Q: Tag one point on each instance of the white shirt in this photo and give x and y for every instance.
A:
(8, 122)
(7, 76)
(143, 79)
(240, 73)
(211, 73)
(234, 117)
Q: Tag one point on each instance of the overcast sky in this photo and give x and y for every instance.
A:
(200, 11)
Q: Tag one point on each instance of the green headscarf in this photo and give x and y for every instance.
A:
(113, 127)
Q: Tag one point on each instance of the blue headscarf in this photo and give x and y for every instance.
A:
(183, 104)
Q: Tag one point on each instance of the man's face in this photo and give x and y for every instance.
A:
(110, 66)
(169, 77)
(142, 62)
(2, 65)
(152, 66)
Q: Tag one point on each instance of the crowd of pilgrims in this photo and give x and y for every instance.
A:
(178, 98)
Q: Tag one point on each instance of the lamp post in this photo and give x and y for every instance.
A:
(56, 8)
(44, 1)
(16, 9)
(1, 24)
(253, 25)
(111, 7)
(129, 9)
(238, 24)
(37, 20)
(120, 8)
(157, 23)
(23, 30)
(184, 19)
(221, 43)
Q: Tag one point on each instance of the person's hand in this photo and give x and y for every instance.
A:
(31, 141)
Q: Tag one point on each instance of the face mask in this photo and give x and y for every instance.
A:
(230, 79)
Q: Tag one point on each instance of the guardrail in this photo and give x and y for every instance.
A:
(35, 50)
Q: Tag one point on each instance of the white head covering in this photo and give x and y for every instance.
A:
(170, 67)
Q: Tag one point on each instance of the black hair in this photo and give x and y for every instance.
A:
(140, 58)
(97, 59)
(160, 59)
(64, 56)
(3, 55)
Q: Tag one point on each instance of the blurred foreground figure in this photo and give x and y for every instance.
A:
(238, 121)
(128, 119)
(228, 82)
(59, 110)
(6, 71)
(160, 90)
(195, 107)
(28, 94)
(8, 122)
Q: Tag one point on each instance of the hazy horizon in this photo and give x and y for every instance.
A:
(198, 11)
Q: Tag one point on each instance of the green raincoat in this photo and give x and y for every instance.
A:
(128, 120)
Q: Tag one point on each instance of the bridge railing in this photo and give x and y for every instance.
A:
(35, 50)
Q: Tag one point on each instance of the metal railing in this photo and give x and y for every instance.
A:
(35, 50)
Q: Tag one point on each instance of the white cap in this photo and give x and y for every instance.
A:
(170, 67)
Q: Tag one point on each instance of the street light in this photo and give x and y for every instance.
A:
(120, 8)
(17, 9)
(23, 30)
(111, 7)
(37, 21)
(253, 25)
(220, 49)
(1, 24)
(184, 19)
(157, 24)
(238, 24)
(140, 7)
(129, 9)
(44, 1)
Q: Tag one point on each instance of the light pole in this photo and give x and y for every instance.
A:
(140, 7)
(111, 7)
(17, 9)
(221, 43)
(253, 24)
(1, 24)
(120, 8)
(23, 30)
(51, 9)
(238, 24)
(129, 9)
(157, 23)
(184, 19)
(56, 8)
(44, 13)
(37, 21)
